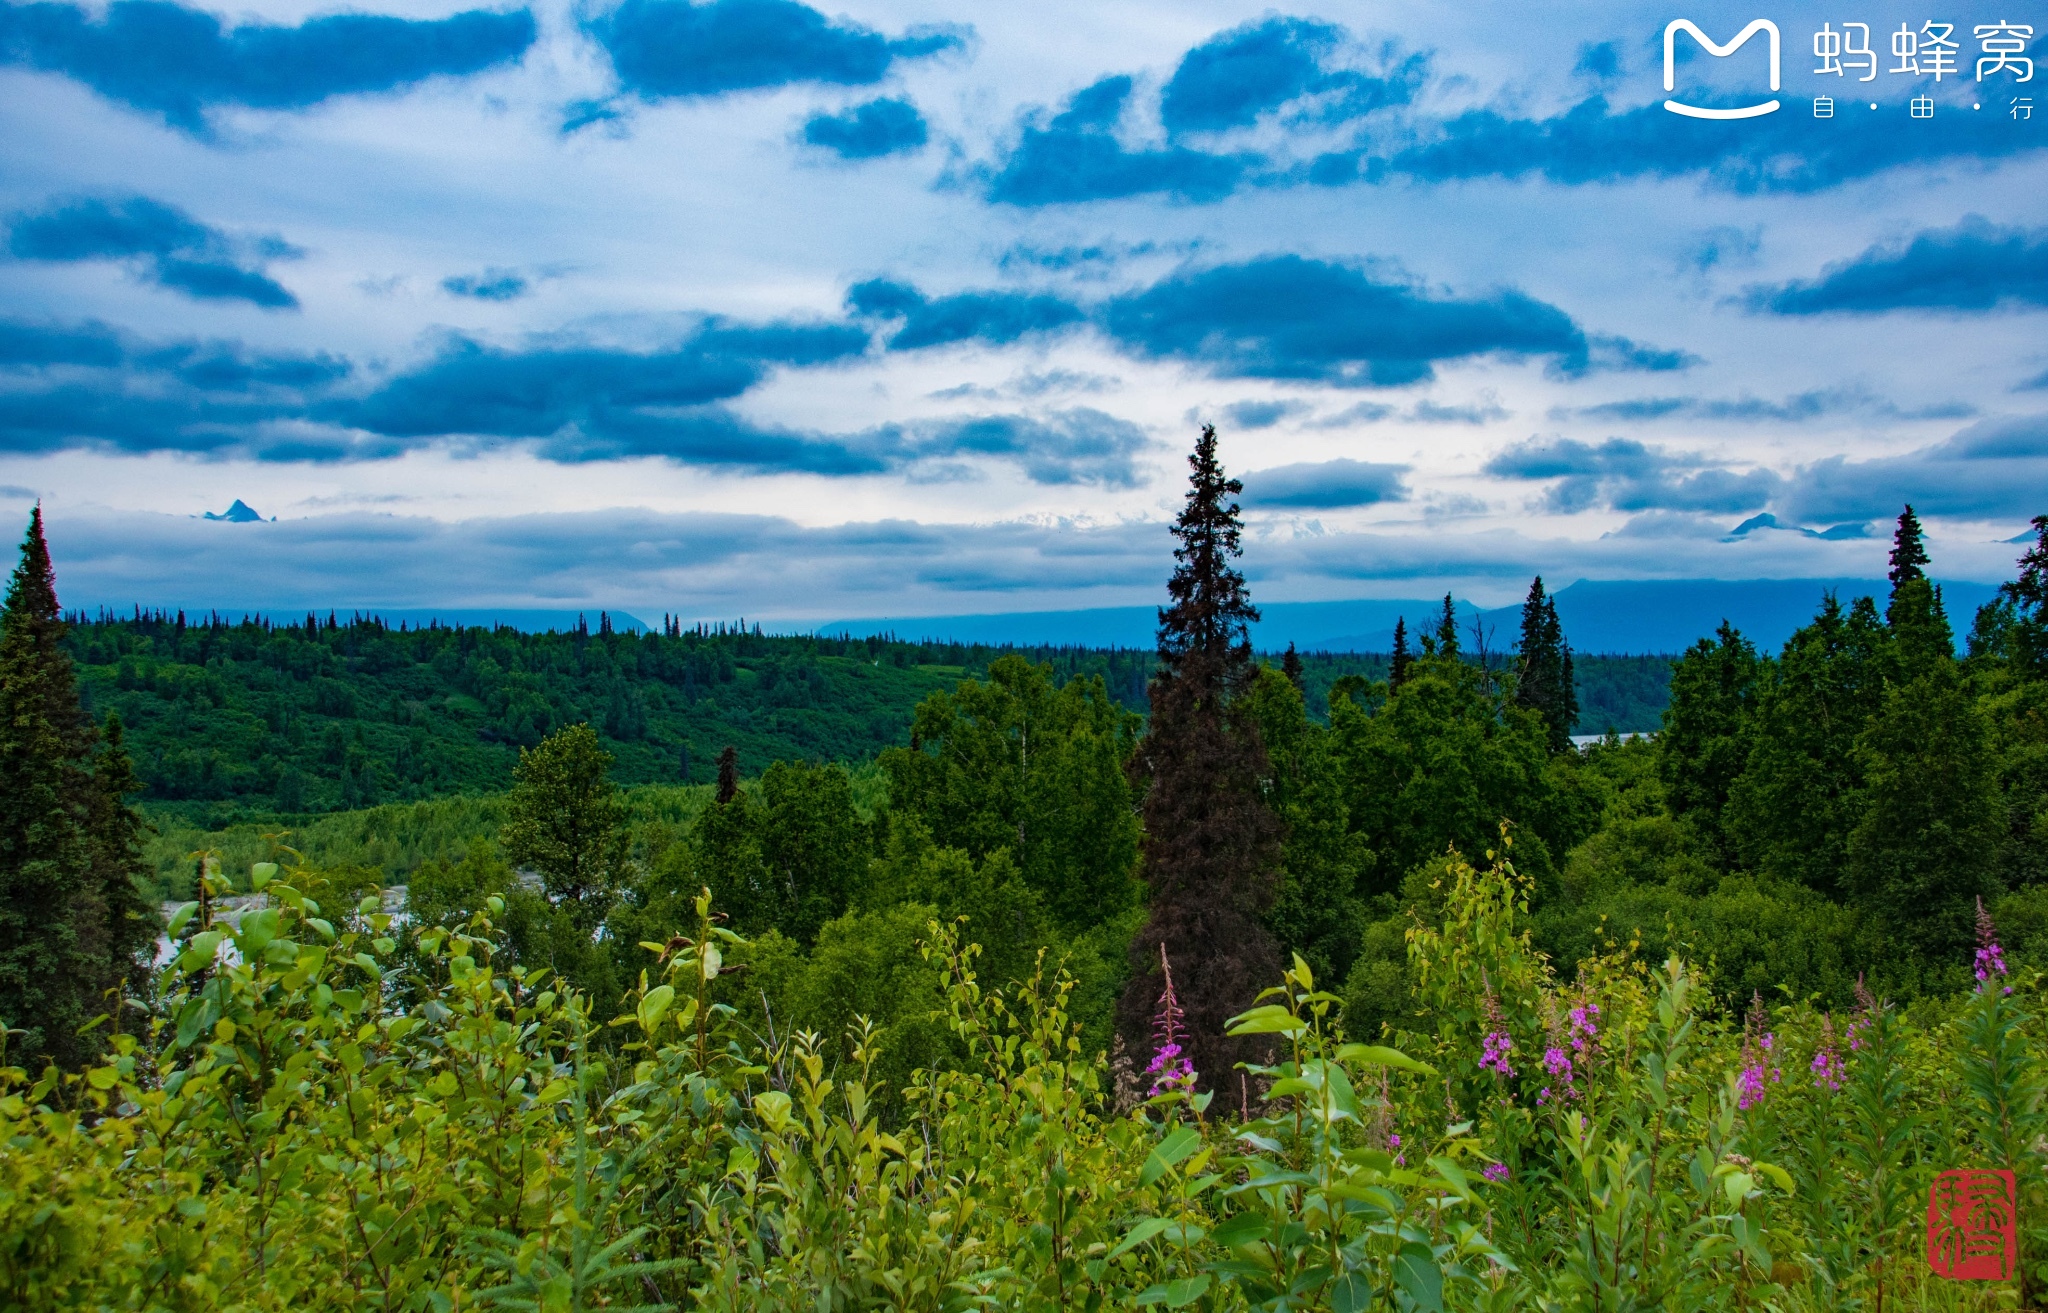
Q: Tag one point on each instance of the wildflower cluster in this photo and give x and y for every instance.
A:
(1494, 1049)
(1990, 957)
(1829, 1062)
(1571, 1042)
(1170, 1070)
(1758, 1059)
(1495, 1172)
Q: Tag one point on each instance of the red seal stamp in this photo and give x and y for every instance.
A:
(1972, 1225)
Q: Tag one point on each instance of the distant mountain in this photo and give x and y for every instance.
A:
(239, 513)
(1617, 616)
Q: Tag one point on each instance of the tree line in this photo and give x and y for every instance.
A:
(1837, 809)
(250, 718)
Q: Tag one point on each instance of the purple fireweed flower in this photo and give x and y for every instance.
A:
(1585, 1025)
(1990, 957)
(1827, 1065)
(1169, 1070)
(1757, 1068)
(1494, 1049)
(1494, 1055)
(1495, 1172)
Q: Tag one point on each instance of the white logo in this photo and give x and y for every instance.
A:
(1677, 25)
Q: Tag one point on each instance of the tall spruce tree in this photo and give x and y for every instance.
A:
(1909, 549)
(1709, 727)
(1397, 665)
(1920, 856)
(1212, 844)
(1545, 684)
(1447, 629)
(73, 926)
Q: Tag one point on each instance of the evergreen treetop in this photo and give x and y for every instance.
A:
(1397, 667)
(1447, 629)
(1545, 684)
(1909, 550)
(1208, 621)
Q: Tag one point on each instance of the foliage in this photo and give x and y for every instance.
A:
(1212, 841)
(74, 928)
(305, 1123)
(342, 714)
(1543, 667)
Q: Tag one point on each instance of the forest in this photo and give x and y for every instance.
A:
(227, 720)
(1290, 984)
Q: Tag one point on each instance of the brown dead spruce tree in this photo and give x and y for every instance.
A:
(1212, 846)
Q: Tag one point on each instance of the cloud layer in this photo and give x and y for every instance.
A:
(1975, 265)
(664, 48)
(163, 244)
(178, 63)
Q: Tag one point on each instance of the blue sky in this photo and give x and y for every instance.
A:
(914, 308)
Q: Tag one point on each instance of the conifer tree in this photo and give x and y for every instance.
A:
(1909, 551)
(1397, 666)
(1290, 666)
(1709, 727)
(728, 774)
(1920, 854)
(1212, 843)
(72, 924)
(1447, 629)
(1545, 683)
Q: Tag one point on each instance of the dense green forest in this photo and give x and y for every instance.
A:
(977, 1019)
(337, 715)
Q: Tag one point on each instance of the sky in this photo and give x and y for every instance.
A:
(743, 307)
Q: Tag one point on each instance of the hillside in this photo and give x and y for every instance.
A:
(331, 715)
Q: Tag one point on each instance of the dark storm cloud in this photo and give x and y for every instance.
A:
(1324, 485)
(663, 48)
(1289, 317)
(161, 243)
(994, 317)
(1994, 468)
(1076, 156)
(1231, 79)
(1973, 266)
(870, 131)
(177, 63)
(1620, 474)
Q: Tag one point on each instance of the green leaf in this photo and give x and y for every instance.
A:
(196, 1018)
(1351, 1293)
(711, 960)
(654, 1006)
(1140, 1233)
(262, 873)
(1183, 1141)
(1186, 1291)
(1779, 1176)
(1269, 1020)
(1738, 1185)
(1416, 1272)
(180, 918)
(1378, 1055)
(200, 951)
(1243, 1229)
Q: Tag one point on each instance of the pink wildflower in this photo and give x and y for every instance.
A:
(1757, 1044)
(1990, 957)
(1496, 1173)
(1494, 1049)
(1827, 1058)
(1585, 1025)
(1169, 1070)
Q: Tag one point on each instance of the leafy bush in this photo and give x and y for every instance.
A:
(313, 1115)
